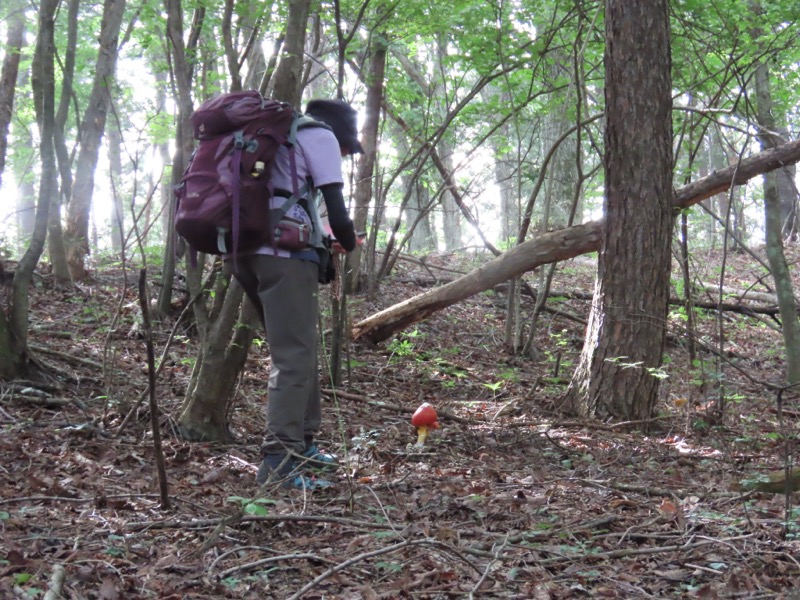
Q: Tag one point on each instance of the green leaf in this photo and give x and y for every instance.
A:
(255, 509)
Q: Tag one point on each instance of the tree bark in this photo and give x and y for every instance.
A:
(557, 245)
(117, 200)
(26, 192)
(55, 234)
(203, 416)
(289, 75)
(12, 359)
(76, 234)
(773, 226)
(15, 40)
(182, 74)
(366, 163)
(626, 333)
(14, 327)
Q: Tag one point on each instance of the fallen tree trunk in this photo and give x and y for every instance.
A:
(555, 246)
(733, 299)
(713, 290)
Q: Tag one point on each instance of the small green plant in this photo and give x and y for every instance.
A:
(403, 344)
(657, 372)
(400, 347)
(116, 549)
(793, 524)
(510, 375)
(494, 386)
(230, 582)
(253, 506)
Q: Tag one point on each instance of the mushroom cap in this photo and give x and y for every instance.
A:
(425, 416)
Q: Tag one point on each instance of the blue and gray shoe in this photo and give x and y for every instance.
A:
(314, 458)
(278, 468)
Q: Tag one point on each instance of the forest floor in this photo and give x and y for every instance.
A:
(508, 499)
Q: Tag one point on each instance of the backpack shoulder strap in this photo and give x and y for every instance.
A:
(317, 237)
(299, 122)
(304, 122)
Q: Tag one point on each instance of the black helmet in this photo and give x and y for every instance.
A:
(342, 118)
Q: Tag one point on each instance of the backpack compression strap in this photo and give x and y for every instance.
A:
(302, 122)
(276, 214)
(238, 147)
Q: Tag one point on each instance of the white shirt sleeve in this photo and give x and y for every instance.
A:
(321, 154)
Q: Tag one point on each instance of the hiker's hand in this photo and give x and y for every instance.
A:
(339, 249)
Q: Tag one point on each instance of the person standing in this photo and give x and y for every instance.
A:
(283, 285)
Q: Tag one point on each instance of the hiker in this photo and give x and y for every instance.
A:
(283, 285)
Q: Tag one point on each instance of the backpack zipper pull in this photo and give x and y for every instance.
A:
(258, 170)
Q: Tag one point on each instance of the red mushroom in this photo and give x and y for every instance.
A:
(424, 419)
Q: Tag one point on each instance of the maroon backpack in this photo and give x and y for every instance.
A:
(224, 195)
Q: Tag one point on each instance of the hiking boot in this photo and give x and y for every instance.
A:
(314, 458)
(278, 468)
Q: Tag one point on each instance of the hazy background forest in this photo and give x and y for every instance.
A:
(479, 93)
(483, 192)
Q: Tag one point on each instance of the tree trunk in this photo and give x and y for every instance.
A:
(451, 215)
(787, 192)
(203, 416)
(15, 40)
(627, 326)
(773, 225)
(14, 360)
(26, 202)
(505, 169)
(76, 234)
(366, 163)
(225, 340)
(115, 178)
(418, 216)
(182, 74)
(289, 75)
(554, 246)
(55, 235)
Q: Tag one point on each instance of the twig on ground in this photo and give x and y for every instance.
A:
(626, 552)
(56, 583)
(205, 523)
(351, 561)
(69, 358)
(489, 565)
(271, 559)
(68, 499)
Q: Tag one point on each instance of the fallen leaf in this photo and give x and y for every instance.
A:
(108, 590)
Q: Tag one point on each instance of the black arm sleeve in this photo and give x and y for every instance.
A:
(340, 221)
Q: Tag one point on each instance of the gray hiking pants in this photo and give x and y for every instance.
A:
(285, 292)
